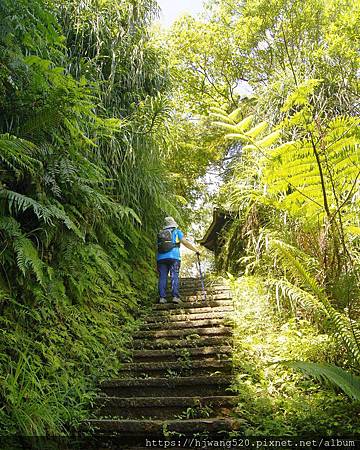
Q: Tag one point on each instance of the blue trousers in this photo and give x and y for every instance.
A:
(165, 266)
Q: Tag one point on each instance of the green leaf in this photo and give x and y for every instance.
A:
(254, 132)
(346, 381)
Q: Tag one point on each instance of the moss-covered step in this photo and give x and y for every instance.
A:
(183, 332)
(170, 354)
(173, 368)
(216, 426)
(197, 309)
(173, 317)
(190, 341)
(193, 304)
(200, 323)
(176, 386)
(164, 407)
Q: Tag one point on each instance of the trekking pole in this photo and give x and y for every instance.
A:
(201, 278)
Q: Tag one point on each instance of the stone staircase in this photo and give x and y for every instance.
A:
(178, 382)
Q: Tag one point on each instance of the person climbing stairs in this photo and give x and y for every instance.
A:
(178, 383)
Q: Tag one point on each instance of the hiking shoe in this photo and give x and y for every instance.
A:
(176, 300)
(162, 300)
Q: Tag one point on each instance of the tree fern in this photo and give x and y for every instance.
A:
(313, 178)
(294, 167)
(316, 174)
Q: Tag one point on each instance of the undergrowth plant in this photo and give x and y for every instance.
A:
(295, 210)
(82, 191)
(273, 400)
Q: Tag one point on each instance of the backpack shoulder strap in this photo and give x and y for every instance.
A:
(176, 239)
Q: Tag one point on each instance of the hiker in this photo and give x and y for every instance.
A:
(169, 259)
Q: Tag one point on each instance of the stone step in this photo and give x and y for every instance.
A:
(200, 297)
(147, 428)
(186, 305)
(199, 294)
(164, 407)
(204, 366)
(176, 333)
(172, 354)
(177, 386)
(198, 300)
(187, 342)
(208, 287)
(164, 318)
(190, 311)
(190, 323)
(197, 281)
(181, 369)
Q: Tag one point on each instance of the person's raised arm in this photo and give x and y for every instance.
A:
(189, 245)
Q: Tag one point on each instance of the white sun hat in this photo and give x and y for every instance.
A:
(170, 222)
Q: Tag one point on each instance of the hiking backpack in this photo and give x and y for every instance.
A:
(165, 242)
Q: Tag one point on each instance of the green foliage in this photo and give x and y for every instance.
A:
(302, 178)
(269, 49)
(83, 114)
(346, 381)
(290, 169)
(272, 399)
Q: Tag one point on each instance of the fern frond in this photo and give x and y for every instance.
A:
(298, 295)
(27, 258)
(16, 154)
(26, 254)
(346, 381)
(223, 119)
(249, 147)
(254, 132)
(340, 126)
(225, 126)
(218, 110)
(343, 330)
(19, 203)
(244, 124)
(293, 261)
(269, 140)
(236, 136)
(236, 114)
(341, 324)
(297, 163)
(300, 96)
